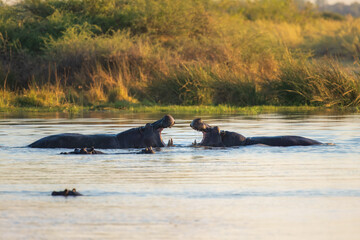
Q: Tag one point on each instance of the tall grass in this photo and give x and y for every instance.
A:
(323, 83)
(86, 52)
(6, 99)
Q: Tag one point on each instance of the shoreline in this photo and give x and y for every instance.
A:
(200, 109)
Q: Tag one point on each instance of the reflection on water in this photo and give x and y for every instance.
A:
(252, 192)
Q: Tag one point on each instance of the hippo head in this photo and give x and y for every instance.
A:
(152, 131)
(211, 135)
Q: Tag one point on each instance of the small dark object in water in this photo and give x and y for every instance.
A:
(66, 193)
(147, 150)
(84, 151)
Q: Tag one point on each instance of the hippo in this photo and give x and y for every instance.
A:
(66, 193)
(84, 151)
(148, 150)
(141, 137)
(212, 136)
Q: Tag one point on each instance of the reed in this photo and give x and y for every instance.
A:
(324, 83)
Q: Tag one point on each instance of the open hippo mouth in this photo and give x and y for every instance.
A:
(198, 125)
(212, 136)
(166, 122)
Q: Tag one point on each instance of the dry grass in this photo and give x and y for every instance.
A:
(324, 83)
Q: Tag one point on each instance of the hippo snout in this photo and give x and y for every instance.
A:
(168, 121)
(198, 125)
(165, 122)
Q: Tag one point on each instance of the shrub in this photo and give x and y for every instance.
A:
(44, 96)
(187, 85)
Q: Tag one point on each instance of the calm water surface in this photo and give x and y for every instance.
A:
(253, 192)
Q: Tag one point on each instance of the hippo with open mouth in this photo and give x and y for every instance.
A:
(141, 137)
(212, 136)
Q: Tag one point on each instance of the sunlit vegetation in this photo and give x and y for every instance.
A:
(120, 53)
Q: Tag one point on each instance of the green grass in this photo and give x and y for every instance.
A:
(221, 109)
(176, 109)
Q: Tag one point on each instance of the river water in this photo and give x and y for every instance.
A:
(252, 192)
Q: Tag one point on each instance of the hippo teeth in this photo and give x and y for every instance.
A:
(160, 135)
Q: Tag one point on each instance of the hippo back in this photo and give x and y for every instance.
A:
(232, 139)
(74, 140)
(283, 141)
(139, 138)
(131, 138)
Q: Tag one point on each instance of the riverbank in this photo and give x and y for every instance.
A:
(177, 109)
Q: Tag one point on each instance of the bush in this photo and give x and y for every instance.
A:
(332, 16)
(187, 85)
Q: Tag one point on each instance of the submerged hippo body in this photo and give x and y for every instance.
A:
(147, 136)
(84, 151)
(212, 136)
(66, 193)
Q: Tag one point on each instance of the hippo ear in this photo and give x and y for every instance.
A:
(217, 129)
(222, 133)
